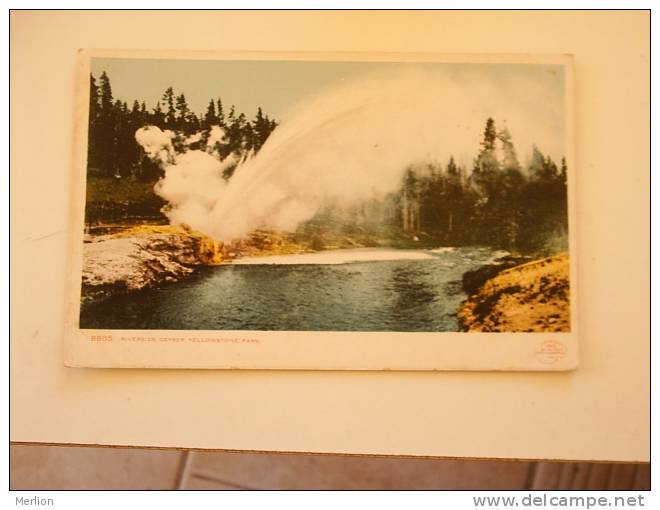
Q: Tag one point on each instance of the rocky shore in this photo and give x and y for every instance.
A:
(531, 297)
(145, 256)
(142, 257)
(473, 280)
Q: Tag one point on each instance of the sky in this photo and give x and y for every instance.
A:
(277, 86)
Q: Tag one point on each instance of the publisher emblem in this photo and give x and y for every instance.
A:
(551, 351)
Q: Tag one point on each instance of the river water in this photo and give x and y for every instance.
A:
(373, 289)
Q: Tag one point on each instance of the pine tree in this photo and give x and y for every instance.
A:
(194, 122)
(498, 183)
(452, 168)
(183, 114)
(235, 131)
(106, 127)
(105, 92)
(454, 197)
(551, 170)
(144, 115)
(544, 203)
(486, 166)
(220, 114)
(510, 158)
(563, 170)
(490, 135)
(93, 123)
(170, 115)
(261, 128)
(210, 118)
(410, 201)
(125, 149)
(231, 117)
(158, 117)
(250, 138)
(542, 167)
(94, 99)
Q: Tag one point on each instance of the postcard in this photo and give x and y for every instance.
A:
(324, 211)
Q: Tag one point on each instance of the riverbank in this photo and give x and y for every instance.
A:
(118, 259)
(532, 297)
(140, 257)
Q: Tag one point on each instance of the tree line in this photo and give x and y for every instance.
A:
(499, 203)
(113, 151)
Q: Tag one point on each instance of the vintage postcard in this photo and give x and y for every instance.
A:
(323, 211)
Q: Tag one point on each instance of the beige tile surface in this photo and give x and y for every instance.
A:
(275, 471)
(60, 467)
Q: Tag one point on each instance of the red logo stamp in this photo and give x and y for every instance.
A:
(551, 351)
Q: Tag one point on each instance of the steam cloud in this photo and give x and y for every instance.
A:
(348, 144)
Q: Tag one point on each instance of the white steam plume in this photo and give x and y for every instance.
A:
(156, 143)
(346, 145)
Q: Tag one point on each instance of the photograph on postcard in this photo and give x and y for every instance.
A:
(326, 195)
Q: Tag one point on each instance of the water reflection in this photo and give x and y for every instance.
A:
(393, 295)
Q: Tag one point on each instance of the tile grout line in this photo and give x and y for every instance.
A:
(184, 470)
(531, 475)
(211, 478)
(634, 478)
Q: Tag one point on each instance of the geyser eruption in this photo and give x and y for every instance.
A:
(193, 181)
(343, 146)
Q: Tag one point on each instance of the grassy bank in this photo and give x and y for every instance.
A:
(122, 200)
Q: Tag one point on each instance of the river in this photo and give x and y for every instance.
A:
(371, 289)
